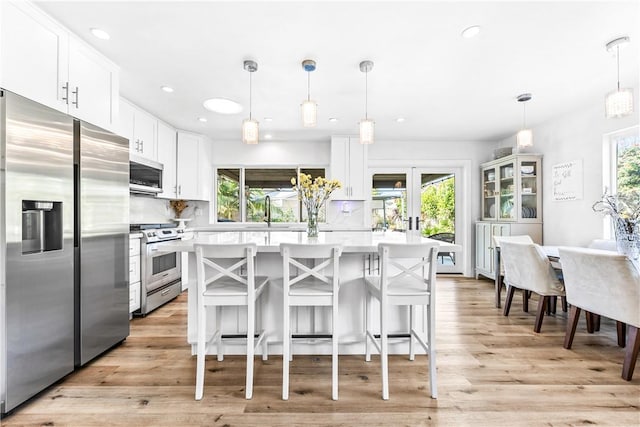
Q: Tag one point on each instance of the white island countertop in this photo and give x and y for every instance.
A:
(269, 241)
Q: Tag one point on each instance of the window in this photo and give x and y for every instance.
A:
(621, 168)
(258, 183)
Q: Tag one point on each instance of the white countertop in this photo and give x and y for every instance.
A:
(269, 241)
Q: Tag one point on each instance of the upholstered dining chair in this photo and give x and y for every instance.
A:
(407, 278)
(527, 267)
(226, 277)
(605, 283)
(499, 268)
(310, 278)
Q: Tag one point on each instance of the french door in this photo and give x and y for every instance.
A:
(424, 199)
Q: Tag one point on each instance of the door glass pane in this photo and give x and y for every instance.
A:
(228, 195)
(389, 202)
(275, 183)
(529, 190)
(438, 211)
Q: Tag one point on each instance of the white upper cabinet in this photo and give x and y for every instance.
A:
(167, 156)
(41, 60)
(92, 86)
(31, 46)
(193, 175)
(348, 165)
(140, 128)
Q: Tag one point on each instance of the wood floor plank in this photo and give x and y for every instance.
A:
(492, 370)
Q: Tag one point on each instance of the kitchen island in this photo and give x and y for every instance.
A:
(359, 255)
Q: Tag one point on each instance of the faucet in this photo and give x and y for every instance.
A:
(267, 210)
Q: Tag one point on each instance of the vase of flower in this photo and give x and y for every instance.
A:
(312, 222)
(628, 237)
(625, 213)
(313, 193)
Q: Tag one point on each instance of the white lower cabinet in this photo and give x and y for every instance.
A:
(485, 246)
(134, 274)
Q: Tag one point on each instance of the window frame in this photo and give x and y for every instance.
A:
(610, 168)
(213, 219)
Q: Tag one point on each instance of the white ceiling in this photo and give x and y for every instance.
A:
(446, 87)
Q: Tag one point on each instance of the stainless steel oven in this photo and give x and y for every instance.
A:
(161, 271)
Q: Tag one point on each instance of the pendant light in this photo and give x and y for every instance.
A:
(618, 103)
(366, 124)
(250, 126)
(524, 138)
(309, 107)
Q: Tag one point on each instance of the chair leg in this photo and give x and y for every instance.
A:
(542, 304)
(200, 350)
(250, 348)
(621, 328)
(498, 286)
(552, 304)
(220, 348)
(596, 323)
(367, 326)
(631, 353)
(565, 307)
(525, 300)
(384, 338)
(334, 350)
(412, 354)
(286, 335)
(590, 322)
(431, 339)
(574, 316)
(507, 303)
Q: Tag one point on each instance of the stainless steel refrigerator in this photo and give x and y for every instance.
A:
(63, 245)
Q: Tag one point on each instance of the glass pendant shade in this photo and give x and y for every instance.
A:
(366, 131)
(250, 131)
(309, 113)
(619, 103)
(525, 138)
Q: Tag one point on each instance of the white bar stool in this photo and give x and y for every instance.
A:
(222, 285)
(309, 286)
(398, 284)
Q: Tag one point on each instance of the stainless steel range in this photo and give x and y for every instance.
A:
(161, 271)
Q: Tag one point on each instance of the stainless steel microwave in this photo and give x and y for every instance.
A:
(145, 176)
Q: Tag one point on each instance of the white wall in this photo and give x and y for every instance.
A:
(575, 136)
(271, 153)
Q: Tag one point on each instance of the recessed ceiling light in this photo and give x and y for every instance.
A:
(471, 32)
(167, 89)
(101, 34)
(400, 119)
(268, 119)
(268, 136)
(222, 106)
(202, 119)
(333, 119)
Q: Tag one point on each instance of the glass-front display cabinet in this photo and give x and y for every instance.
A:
(510, 189)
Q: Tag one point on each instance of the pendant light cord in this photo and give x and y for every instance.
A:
(618, 60)
(250, 98)
(366, 91)
(524, 115)
(308, 86)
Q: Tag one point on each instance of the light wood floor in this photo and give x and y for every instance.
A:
(492, 370)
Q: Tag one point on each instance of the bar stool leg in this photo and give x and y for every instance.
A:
(412, 355)
(220, 350)
(384, 338)
(367, 326)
